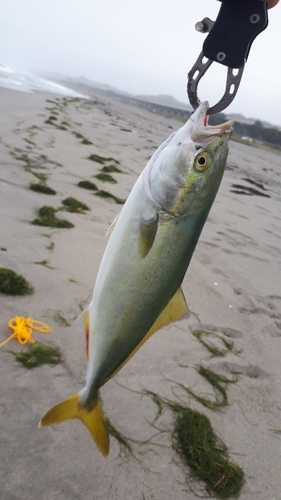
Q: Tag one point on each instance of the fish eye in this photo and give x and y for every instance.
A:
(202, 162)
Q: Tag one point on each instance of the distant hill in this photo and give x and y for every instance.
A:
(86, 85)
(82, 81)
(165, 100)
(238, 117)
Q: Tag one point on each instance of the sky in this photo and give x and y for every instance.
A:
(139, 46)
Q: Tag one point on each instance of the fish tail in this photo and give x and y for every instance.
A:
(93, 419)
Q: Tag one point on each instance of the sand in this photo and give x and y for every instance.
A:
(232, 286)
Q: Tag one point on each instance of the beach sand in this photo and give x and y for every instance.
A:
(233, 289)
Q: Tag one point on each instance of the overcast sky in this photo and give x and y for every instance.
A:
(140, 46)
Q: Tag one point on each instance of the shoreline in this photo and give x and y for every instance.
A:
(232, 288)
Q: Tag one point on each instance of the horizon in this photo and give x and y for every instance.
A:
(148, 48)
(47, 76)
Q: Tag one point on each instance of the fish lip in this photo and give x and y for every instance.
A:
(201, 132)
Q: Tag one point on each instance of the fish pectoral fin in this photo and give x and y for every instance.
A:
(93, 419)
(83, 323)
(147, 233)
(112, 225)
(175, 310)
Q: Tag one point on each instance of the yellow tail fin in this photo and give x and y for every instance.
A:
(93, 419)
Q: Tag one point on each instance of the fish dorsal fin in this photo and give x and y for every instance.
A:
(147, 233)
(175, 310)
(112, 225)
(83, 323)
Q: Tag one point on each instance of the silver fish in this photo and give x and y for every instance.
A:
(138, 286)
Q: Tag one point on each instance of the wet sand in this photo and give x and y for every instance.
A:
(232, 287)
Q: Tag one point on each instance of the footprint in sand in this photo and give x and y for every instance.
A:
(251, 371)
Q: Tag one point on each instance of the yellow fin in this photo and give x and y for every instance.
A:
(175, 310)
(147, 233)
(112, 225)
(92, 419)
(83, 322)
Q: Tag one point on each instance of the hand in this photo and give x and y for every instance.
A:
(271, 3)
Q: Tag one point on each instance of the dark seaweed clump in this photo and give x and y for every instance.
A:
(205, 453)
(87, 185)
(107, 195)
(12, 283)
(101, 159)
(86, 141)
(106, 178)
(42, 188)
(201, 449)
(48, 218)
(37, 355)
(109, 169)
(74, 205)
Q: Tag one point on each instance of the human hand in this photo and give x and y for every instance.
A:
(271, 3)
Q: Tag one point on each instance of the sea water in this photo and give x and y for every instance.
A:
(27, 82)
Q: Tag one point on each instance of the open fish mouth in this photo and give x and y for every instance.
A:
(201, 133)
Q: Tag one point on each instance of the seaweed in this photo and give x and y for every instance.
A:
(44, 262)
(79, 136)
(61, 127)
(109, 169)
(107, 195)
(47, 218)
(12, 283)
(37, 355)
(86, 141)
(30, 142)
(201, 449)
(204, 452)
(105, 178)
(101, 159)
(199, 334)
(60, 319)
(42, 188)
(51, 246)
(42, 177)
(74, 205)
(122, 440)
(218, 383)
(50, 120)
(87, 185)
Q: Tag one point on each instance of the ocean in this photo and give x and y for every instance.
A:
(28, 82)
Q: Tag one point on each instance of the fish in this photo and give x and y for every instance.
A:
(138, 286)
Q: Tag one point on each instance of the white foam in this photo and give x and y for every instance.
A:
(28, 82)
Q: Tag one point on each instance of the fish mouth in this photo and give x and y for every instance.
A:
(201, 133)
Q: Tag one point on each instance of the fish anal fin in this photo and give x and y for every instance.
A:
(83, 322)
(175, 310)
(147, 233)
(93, 419)
(112, 225)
